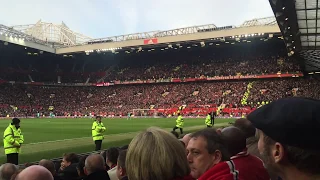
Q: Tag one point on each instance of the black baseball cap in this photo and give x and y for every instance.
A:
(291, 121)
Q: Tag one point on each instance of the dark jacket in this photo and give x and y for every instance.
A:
(99, 175)
(69, 173)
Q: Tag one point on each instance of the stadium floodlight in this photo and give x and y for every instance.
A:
(175, 48)
(286, 19)
(202, 44)
(246, 35)
(232, 36)
(252, 34)
(188, 47)
(233, 43)
(210, 44)
(283, 8)
(166, 48)
(162, 49)
(170, 45)
(227, 42)
(217, 44)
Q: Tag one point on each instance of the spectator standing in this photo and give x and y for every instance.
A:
(80, 167)
(206, 154)
(12, 141)
(97, 132)
(286, 130)
(250, 167)
(95, 168)
(7, 170)
(111, 160)
(121, 166)
(155, 154)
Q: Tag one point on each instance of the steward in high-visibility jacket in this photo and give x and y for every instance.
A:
(97, 132)
(208, 121)
(179, 123)
(12, 141)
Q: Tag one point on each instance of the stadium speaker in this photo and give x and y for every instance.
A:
(279, 14)
(274, 2)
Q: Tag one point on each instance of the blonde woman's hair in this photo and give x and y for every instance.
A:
(156, 154)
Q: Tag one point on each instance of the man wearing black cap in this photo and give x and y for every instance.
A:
(12, 141)
(288, 130)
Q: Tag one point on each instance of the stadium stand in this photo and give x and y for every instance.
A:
(79, 75)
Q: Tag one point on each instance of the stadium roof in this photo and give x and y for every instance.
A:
(60, 39)
(57, 34)
(299, 23)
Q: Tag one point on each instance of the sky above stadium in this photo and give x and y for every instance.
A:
(103, 18)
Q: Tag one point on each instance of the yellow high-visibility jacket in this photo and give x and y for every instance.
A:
(97, 130)
(12, 140)
(179, 122)
(208, 120)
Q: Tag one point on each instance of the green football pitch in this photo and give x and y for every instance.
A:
(51, 137)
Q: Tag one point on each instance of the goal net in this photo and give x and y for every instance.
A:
(144, 113)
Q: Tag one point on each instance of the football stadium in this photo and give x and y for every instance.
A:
(56, 83)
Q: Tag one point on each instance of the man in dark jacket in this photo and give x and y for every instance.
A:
(95, 168)
(68, 169)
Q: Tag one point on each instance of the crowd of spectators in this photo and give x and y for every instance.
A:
(237, 152)
(24, 100)
(247, 59)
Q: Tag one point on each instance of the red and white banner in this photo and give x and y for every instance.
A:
(150, 41)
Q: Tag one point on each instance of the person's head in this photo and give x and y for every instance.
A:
(186, 138)
(49, 165)
(179, 114)
(235, 140)
(112, 156)
(156, 154)
(98, 118)
(245, 126)
(16, 122)
(80, 166)
(121, 165)
(94, 163)
(205, 149)
(286, 129)
(68, 159)
(7, 170)
(35, 172)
